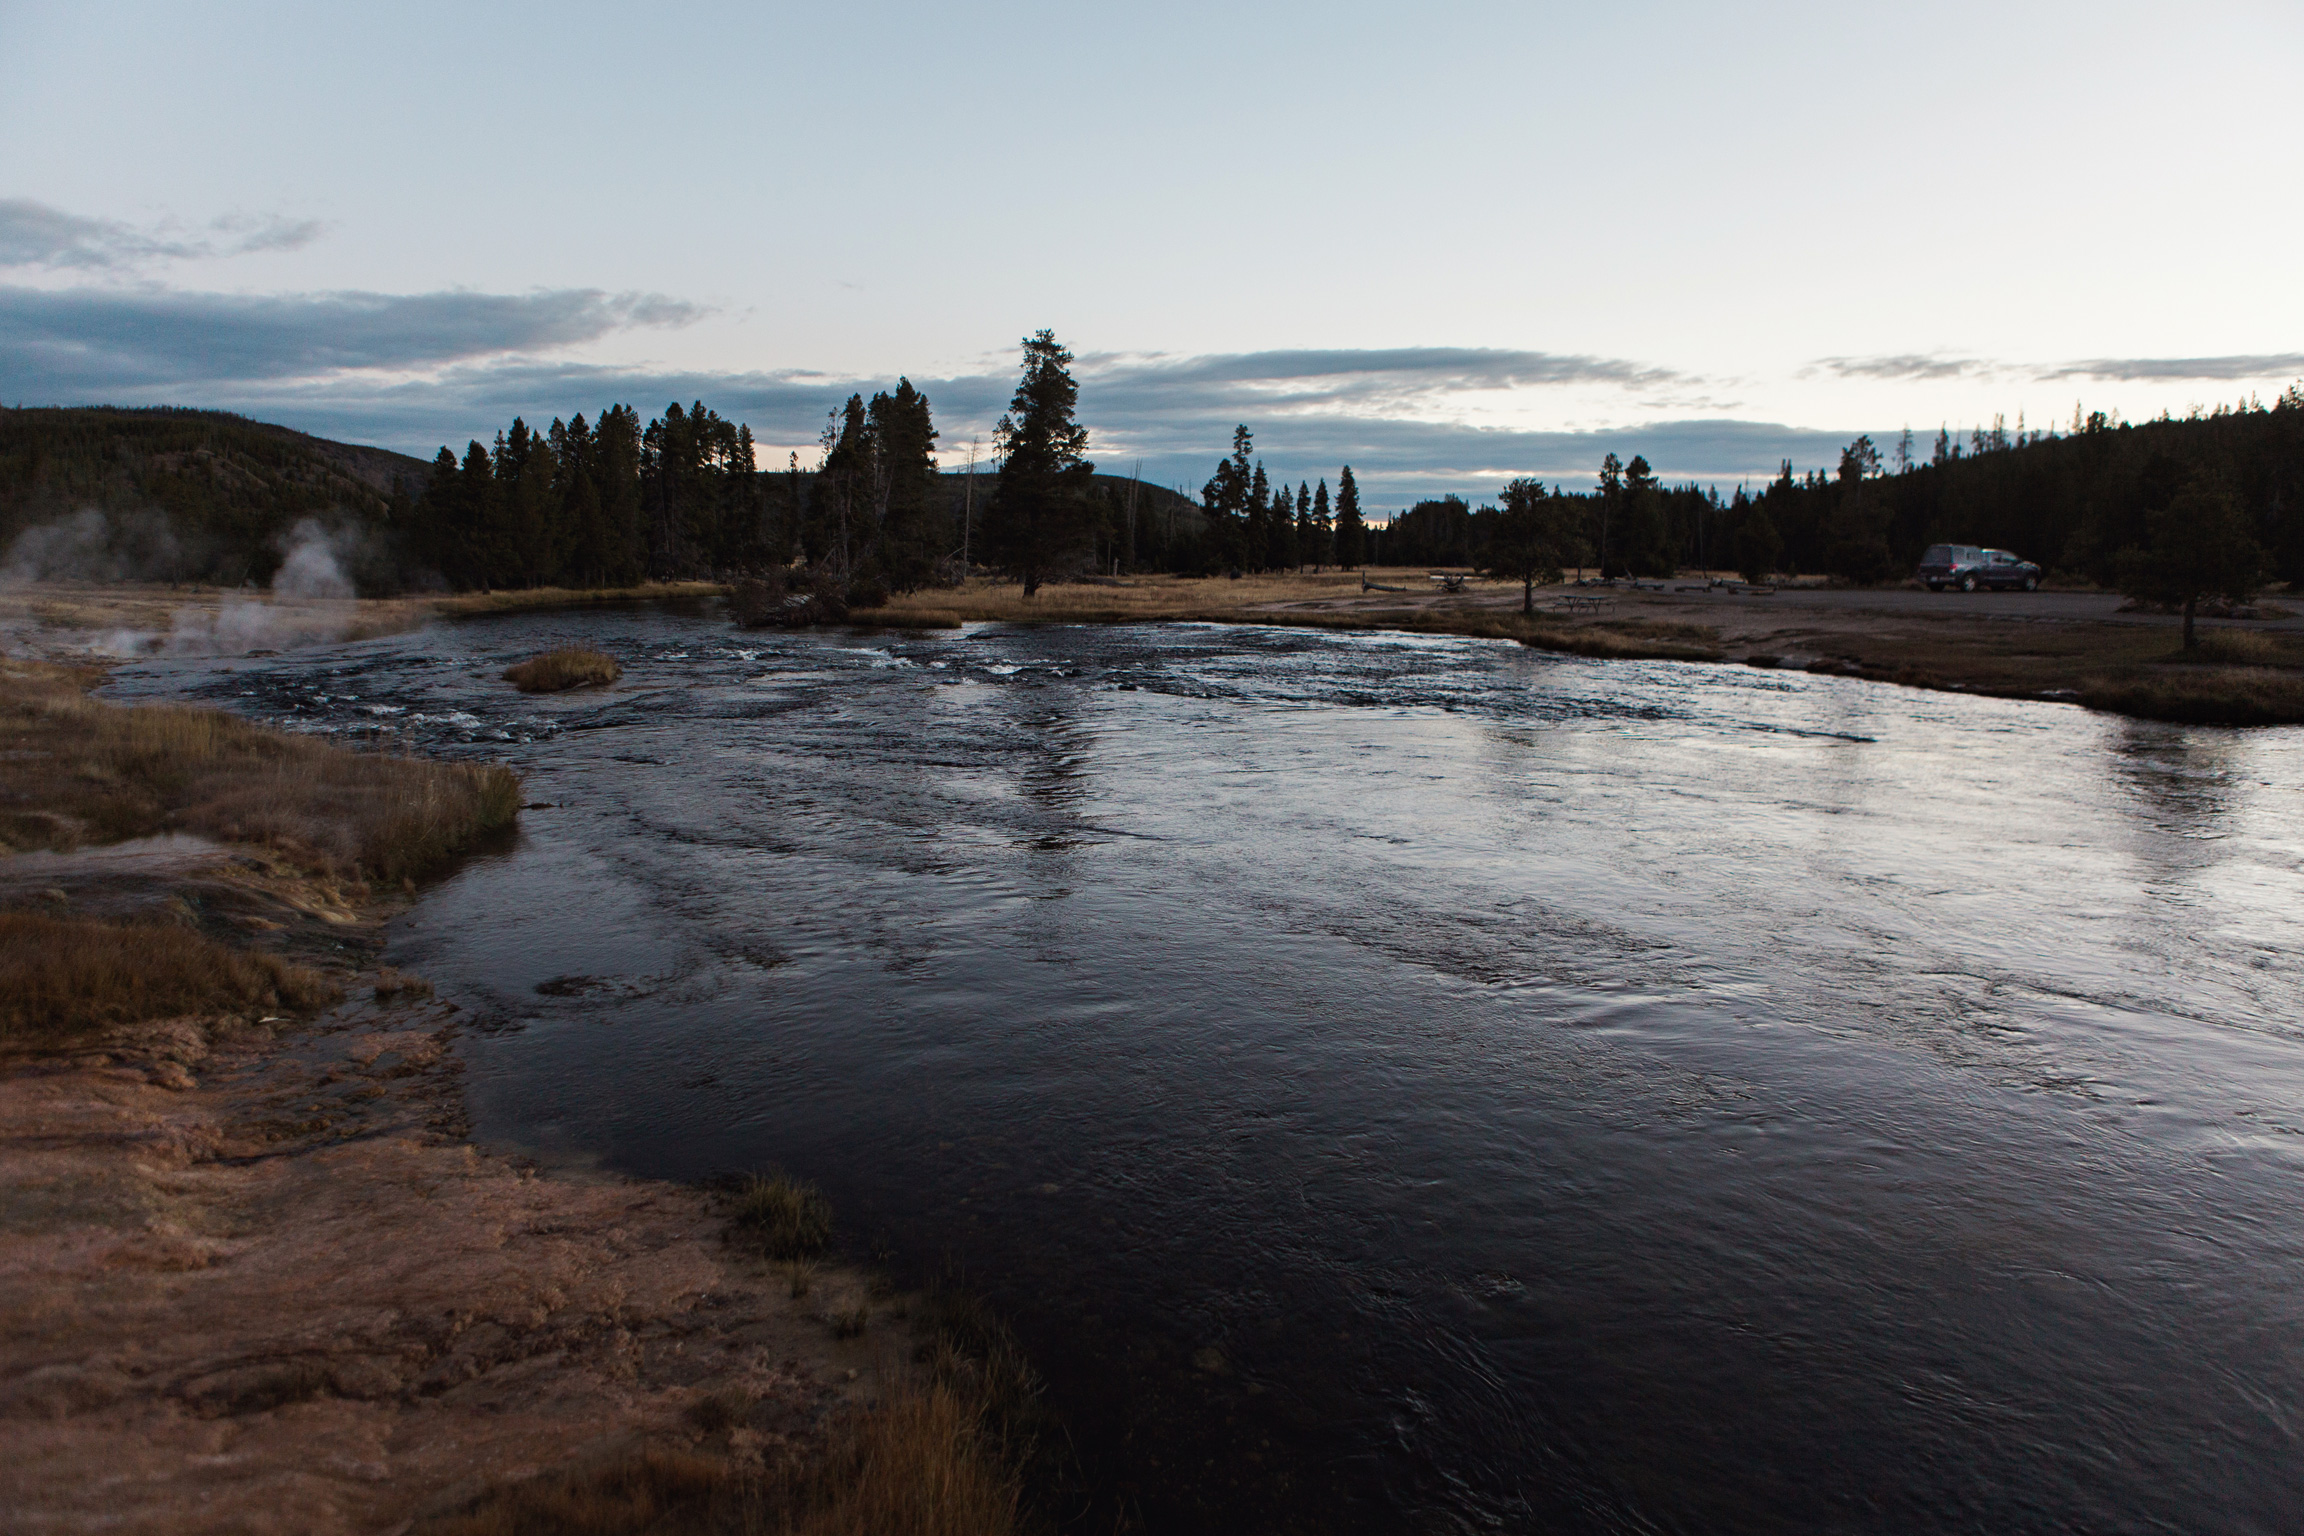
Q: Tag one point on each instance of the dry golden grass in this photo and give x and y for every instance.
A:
(2201, 695)
(1109, 601)
(786, 1217)
(75, 770)
(1329, 600)
(573, 666)
(917, 1463)
(525, 598)
(63, 977)
(656, 1493)
(2235, 648)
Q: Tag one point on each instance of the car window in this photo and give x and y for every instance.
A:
(1938, 554)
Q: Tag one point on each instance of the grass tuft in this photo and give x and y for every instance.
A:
(392, 985)
(569, 667)
(62, 978)
(920, 1463)
(789, 1219)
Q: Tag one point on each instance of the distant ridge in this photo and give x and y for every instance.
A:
(185, 494)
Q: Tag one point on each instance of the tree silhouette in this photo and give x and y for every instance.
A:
(1351, 532)
(1529, 540)
(1039, 515)
(2198, 546)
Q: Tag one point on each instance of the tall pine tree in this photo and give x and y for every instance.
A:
(1351, 532)
(1037, 522)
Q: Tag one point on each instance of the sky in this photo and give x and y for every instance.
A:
(1445, 243)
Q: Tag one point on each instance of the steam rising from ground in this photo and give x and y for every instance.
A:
(308, 601)
(91, 546)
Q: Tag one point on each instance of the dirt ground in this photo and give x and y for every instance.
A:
(255, 1279)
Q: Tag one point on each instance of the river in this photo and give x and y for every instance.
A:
(1412, 1083)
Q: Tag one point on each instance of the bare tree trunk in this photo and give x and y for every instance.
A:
(2191, 640)
(1528, 592)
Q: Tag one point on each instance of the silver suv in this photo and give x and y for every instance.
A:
(1967, 567)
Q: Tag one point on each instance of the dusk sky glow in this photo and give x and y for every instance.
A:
(1445, 243)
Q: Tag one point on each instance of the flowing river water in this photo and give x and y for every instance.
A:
(1409, 1083)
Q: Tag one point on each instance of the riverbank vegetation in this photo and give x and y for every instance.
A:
(76, 771)
(920, 1461)
(569, 667)
(64, 979)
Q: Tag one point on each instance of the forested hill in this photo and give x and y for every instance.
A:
(2073, 501)
(187, 494)
(2080, 502)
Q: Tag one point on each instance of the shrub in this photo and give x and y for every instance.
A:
(787, 1218)
(63, 977)
(558, 671)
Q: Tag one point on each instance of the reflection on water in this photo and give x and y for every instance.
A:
(1412, 1083)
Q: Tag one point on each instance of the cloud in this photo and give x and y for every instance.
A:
(1396, 459)
(1342, 379)
(419, 371)
(1904, 366)
(36, 235)
(2268, 365)
(91, 343)
(1910, 366)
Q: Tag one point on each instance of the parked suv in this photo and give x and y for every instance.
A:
(1967, 567)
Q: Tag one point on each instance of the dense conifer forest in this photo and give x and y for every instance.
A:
(613, 500)
(2081, 502)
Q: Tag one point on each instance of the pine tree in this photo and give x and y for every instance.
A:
(1037, 519)
(843, 500)
(616, 474)
(915, 524)
(476, 517)
(1611, 502)
(1224, 500)
(1259, 520)
(1323, 530)
(2199, 546)
(1530, 539)
(1351, 532)
(434, 540)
